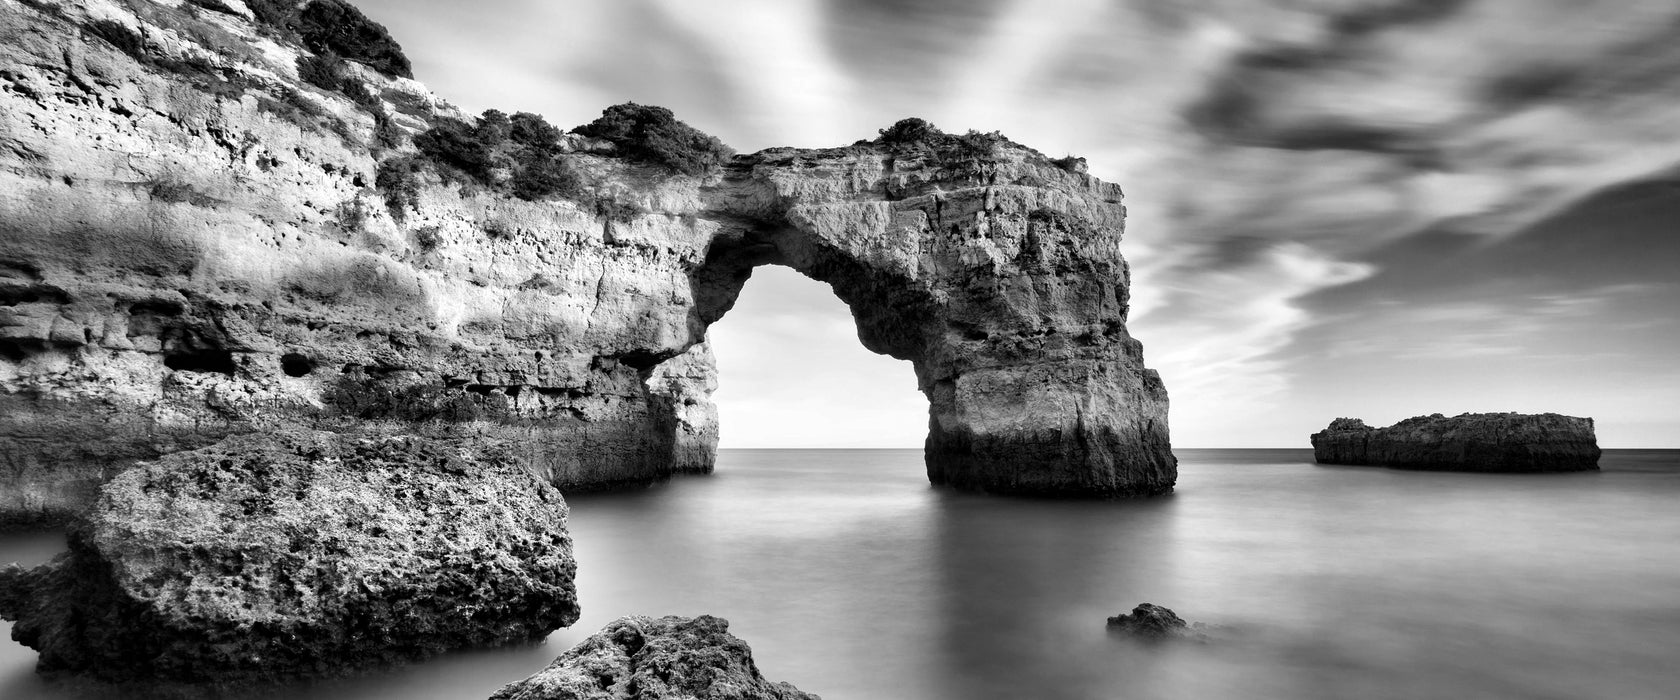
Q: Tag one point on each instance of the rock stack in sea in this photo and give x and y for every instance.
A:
(222, 216)
(299, 553)
(1477, 442)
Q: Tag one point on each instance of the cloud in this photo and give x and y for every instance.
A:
(1291, 166)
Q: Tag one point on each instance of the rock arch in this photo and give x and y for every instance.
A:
(1001, 281)
(290, 289)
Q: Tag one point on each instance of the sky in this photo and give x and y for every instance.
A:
(1365, 208)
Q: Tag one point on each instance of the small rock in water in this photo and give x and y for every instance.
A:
(645, 658)
(1150, 621)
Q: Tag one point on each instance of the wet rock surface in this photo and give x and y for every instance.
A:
(299, 553)
(646, 658)
(1473, 442)
(1152, 622)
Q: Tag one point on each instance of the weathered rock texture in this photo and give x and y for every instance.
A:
(1153, 622)
(1475, 442)
(268, 556)
(645, 658)
(192, 245)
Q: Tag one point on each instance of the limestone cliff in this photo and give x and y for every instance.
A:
(1479, 442)
(213, 221)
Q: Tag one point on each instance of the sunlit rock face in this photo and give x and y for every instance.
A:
(192, 245)
(1472, 442)
(1001, 279)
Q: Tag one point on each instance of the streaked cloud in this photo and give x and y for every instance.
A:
(1303, 175)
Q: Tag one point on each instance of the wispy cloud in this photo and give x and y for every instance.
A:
(1270, 150)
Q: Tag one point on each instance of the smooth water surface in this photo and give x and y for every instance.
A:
(853, 579)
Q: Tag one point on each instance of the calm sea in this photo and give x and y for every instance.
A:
(853, 579)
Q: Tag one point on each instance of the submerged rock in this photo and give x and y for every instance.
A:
(1475, 442)
(645, 658)
(299, 553)
(1150, 621)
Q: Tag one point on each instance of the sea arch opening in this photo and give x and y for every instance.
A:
(792, 373)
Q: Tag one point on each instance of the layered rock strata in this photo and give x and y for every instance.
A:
(1476, 442)
(196, 241)
(645, 658)
(298, 553)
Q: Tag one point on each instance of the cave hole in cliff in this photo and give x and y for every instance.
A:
(206, 360)
(296, 365)
(793, 374)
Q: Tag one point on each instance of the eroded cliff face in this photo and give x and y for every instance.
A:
(192, 244)
(1000, 277)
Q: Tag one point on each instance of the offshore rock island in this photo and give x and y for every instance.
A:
(1474, 442)
(220, 218)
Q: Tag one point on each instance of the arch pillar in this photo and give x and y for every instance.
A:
(1001, 280)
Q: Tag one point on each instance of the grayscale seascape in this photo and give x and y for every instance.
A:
(852, 349)
(851, 577)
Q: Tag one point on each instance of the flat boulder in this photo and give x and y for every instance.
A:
(647, 658)
(1472, 442)
(272, 556)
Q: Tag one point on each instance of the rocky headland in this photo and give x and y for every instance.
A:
(645, 658)
(272, 556)
(218, 217)
(1476, 442)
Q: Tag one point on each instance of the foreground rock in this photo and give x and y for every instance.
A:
(645, 658)
(1153, 622)
(1472, 442)
(197, 240)
(301, 553)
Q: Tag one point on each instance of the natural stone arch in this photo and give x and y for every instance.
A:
(1000, 280)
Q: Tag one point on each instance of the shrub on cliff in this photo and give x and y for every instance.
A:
(457, 144)
(916, 133)
(335, 27)
(542, 175)
(274, 14)
(524, 144)
(654, 135)
(532, 130)
(396, 179)
(328, 72)
(910, 131)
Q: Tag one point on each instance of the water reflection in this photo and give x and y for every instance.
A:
(1028, 585)
(850, 577)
